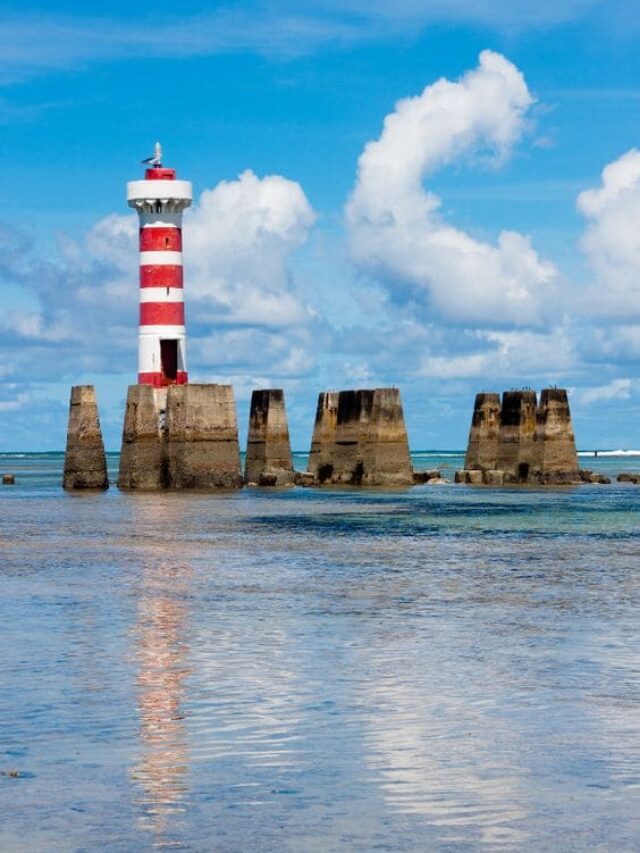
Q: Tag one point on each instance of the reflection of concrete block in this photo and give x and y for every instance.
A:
(85, 463)
(268, 461)
(360, 439)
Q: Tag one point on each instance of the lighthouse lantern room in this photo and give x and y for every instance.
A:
(160, 200)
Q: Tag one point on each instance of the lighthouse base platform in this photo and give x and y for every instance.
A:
(180, 437)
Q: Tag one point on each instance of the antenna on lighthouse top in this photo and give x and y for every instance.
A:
(156, 160)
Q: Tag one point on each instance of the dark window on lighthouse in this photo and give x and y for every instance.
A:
(169, 361)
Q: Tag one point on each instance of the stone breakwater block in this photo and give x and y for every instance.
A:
(469, 478)
(360, 439)
(324, 436)
(268, 461)
(142, 457)
(420, 477)
(516, 438)
(482, 448)
(202, 438)
(304, 478)
(493, 477)
(554, 440)
(8, 480)
(592, 477)
(85, 463)
(629, 478)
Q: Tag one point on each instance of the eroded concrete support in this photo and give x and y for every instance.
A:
(85, 463)
(320, 463)
(516, 437)
(535, 443)
(268, 461)
(202, 438)
(142, 457)
(360, 438)
(555, 444)
(482, 449)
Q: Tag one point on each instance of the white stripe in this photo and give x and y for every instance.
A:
(161, 259)
(161, 294)
(161, 220)
(149, 352)
(170, 332)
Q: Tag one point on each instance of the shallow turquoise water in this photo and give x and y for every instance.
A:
(438, 668)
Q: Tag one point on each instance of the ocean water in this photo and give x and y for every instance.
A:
(437, 668)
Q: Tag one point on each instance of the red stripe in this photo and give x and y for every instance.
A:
(161, 276)
(158, 380)
(162, 313)
(161, 238)
(158, 173)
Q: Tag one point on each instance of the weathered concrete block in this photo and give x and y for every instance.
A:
(360, 439)
(304, 478)
(321, 460)
(268, 461)
(202, 438)
(420, 477)
(470, 478)
(493, 477)
(554, 441)
(85, 463)
(143, 463)
(516, 437)
(629, 477)
(482, 449)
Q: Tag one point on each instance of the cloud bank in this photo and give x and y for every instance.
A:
(396, 230)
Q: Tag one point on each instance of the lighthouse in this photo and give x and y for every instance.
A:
(162, 342)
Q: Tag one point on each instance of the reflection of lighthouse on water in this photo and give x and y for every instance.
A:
(161, 650)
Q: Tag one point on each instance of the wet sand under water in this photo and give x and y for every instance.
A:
(438, 668)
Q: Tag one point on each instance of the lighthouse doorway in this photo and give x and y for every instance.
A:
(169, 362)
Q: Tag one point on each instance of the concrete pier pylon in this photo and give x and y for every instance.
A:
(202, 437)
(268, 461)
(85, 462)
(360, 439)
(516, 438)
(320, 462)
(554, 439)
(484, 433)
(142, 457)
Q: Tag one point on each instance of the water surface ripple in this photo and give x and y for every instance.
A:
(438, 668)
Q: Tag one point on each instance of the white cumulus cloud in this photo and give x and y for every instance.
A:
(239, 238)
(397, 232)
(611, 240)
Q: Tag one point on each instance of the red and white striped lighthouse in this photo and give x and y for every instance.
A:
(162, 342)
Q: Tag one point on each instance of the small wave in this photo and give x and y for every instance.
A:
(599, 453)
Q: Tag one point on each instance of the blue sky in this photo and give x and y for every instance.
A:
(472, 245)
